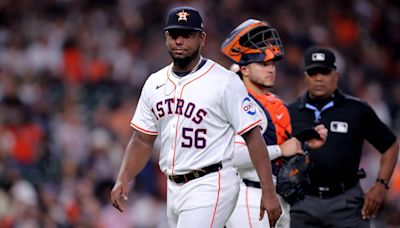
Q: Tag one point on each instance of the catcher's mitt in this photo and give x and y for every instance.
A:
(293, 178)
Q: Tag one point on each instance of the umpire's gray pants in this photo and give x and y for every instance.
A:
(340, 211)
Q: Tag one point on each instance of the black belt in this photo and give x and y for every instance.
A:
(250, 183)
(329, 191)
(182, 179)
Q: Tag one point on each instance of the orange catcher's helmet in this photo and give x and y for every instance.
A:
(253, 41)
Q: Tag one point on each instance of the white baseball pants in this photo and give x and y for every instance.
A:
(247, 210)
(207, 201)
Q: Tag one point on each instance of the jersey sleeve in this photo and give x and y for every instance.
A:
(144, 120)
(239, 108)
(376, 132)
(241, 157)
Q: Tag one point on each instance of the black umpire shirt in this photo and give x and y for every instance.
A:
(349, 121)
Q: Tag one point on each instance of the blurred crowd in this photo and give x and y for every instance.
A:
(71, 72)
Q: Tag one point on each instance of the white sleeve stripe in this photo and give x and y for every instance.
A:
(249, 127)
(144, 130)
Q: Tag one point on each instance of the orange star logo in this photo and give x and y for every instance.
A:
(182, 15)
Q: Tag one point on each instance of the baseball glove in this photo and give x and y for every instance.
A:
(293, 178)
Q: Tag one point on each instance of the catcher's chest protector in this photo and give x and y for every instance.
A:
(278, 113)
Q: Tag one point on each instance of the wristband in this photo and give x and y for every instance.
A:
(382, 181)
(274, 152)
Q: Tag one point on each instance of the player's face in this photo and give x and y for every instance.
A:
(261, 74)
(184, 45)
(321, 82)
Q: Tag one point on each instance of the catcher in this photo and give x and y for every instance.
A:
(255, 47)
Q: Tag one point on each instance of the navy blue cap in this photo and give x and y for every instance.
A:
(184, 18)
(319, 58)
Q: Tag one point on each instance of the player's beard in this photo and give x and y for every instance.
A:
(268, 85)
(183, 62)
(263, 85)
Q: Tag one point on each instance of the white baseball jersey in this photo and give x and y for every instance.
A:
(247, 209)
(195, 116)
(242, 159)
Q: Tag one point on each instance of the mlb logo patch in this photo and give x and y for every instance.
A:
(339, 127)
(318, 57)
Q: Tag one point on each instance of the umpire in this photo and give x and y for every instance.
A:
(335, 198)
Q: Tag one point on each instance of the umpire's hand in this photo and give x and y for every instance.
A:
(315, 143)
(270, 203)
(373, 200)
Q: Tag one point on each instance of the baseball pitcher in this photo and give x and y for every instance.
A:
(195, 107)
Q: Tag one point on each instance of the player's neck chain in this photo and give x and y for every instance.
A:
(197, 66)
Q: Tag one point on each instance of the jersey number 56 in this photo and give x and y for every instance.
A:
(194, 137)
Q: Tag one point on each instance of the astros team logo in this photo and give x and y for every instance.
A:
(248, 106)
(182, 16)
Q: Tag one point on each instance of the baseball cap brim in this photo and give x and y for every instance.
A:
(317, 65)
(181, 27)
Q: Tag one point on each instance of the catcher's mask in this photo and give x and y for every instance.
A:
(253, 41)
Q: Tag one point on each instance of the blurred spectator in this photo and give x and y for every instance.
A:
(72, 62)
(373, 94)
